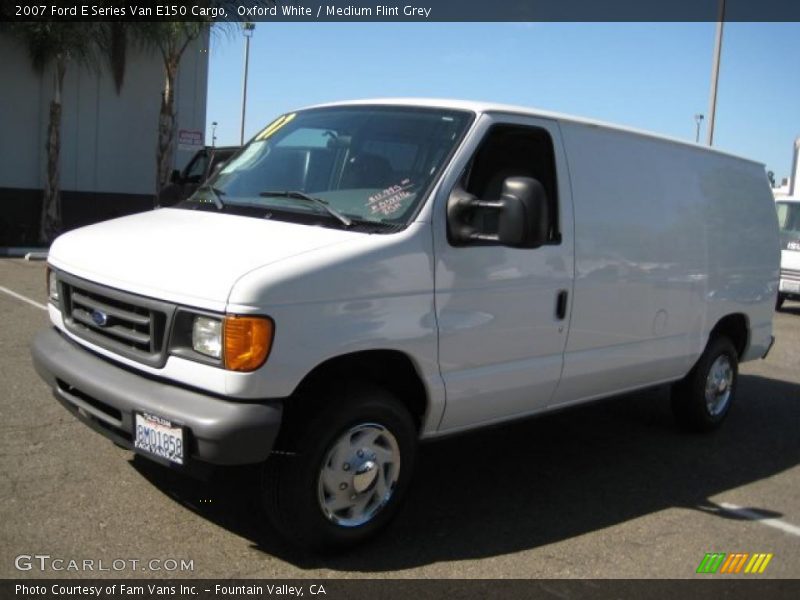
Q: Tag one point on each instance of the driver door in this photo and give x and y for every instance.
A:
(503, 313)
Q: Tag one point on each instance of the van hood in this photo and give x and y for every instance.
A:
(184, 256)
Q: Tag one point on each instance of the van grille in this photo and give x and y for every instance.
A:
(790, 274)
(130, 325)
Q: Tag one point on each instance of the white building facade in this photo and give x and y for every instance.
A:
(108, 139)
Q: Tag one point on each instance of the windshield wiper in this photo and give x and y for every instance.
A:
(215, 193)
(305, 197)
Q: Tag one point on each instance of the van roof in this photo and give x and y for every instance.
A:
(492, 107)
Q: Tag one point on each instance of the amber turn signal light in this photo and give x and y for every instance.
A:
(247, 342)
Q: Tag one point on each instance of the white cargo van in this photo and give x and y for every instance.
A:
(365, 275)
(789, 224)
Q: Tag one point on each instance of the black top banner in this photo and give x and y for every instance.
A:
(403, 10)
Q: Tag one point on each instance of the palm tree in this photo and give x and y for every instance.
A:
(58, 45)
(170, 39)
(67, 43)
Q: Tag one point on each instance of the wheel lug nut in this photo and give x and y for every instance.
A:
(346, 467)
(342, 486)
(360, 454)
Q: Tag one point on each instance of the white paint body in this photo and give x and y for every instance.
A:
(660, 240)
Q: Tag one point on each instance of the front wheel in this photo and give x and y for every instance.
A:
(702, 400)
(345, 471)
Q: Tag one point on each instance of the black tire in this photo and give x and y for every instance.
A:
(689, 402)
(291, 476)
(779, 301)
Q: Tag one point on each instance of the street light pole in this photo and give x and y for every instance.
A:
(247, 31)
(698, 119)
(213, 133)
(712, 103)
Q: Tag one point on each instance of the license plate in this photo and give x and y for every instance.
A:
(158, 436)
(790, 286)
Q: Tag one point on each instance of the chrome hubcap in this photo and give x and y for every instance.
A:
(718, 385)
(358, 475)
(365, 477)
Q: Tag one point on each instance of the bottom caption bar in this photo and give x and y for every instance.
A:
(400, 589)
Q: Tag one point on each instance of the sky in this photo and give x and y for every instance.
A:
(651, 76)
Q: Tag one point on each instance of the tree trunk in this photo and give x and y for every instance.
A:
(50, 223)
(165, 149)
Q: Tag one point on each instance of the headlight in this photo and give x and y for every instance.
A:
(236, 343)
(207, 336)
(52, 286)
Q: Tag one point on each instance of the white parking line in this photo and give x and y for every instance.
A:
(752, 515)
(21, 297)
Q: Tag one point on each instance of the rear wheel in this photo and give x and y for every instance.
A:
(702, 400)
(345, 470)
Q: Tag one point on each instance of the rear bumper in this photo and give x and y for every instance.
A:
(789, 283)
(105, 397)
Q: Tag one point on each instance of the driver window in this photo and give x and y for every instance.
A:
(514, 151)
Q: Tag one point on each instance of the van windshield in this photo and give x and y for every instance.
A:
(789, 217)
(372, 164)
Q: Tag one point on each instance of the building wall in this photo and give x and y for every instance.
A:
(108, 140)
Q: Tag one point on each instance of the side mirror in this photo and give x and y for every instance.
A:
(522, 215)
(524, 220)
(175, 176)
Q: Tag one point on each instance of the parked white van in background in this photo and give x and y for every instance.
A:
(789, 224)
(368, 274)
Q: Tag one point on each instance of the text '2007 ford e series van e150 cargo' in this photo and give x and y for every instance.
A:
(364, 275)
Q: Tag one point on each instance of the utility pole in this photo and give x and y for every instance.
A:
(712, 103)
(247, 31)
(795, 173)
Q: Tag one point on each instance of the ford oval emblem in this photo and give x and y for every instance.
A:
(100, 318)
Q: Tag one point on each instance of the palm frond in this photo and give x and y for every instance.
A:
(45, 41)
(114, 43)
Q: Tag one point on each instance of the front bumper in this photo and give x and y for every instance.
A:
(105, 396)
